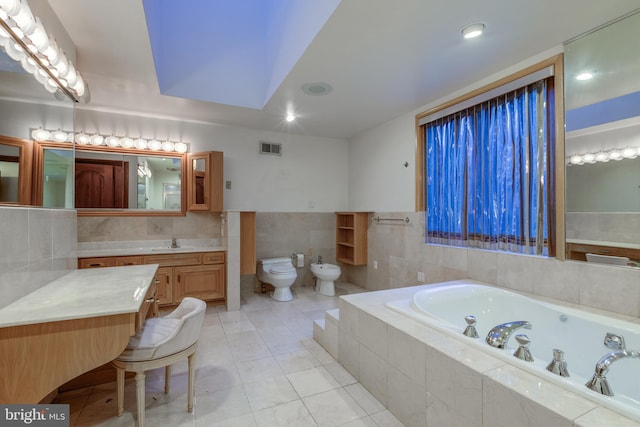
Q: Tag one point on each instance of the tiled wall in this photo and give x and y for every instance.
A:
(281, 234)
(38, 246)
(623, 227)
(400, 253)
(196, 225)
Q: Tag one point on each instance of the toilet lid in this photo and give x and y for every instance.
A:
(281, 269)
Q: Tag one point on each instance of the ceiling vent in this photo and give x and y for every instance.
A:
(270, 148)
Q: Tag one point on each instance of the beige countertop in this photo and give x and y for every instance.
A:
(83, 293)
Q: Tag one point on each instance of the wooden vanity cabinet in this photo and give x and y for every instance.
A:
(196, 274)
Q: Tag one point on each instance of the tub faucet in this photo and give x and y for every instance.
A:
(174, 243)
(599, 381)
(499, 335)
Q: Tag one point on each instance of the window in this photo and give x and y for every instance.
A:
(489, 168)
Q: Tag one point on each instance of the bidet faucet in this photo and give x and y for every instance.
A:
(599, 381)
(320, 259)
(499, 335)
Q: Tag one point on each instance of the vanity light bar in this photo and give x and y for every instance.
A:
(25, 40)
(109, 141)
(604, 156)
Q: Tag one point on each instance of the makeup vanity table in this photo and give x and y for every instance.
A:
(70, 326)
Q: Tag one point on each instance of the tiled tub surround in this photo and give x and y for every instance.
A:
(578, 333)
(38, 246)
(401, 253)
(426, 378)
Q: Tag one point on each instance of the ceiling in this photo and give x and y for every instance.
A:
(382, 58)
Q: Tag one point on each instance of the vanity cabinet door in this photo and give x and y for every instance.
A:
(200, 281)
(164, 285)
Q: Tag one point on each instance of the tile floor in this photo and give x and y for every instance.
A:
(255, 367)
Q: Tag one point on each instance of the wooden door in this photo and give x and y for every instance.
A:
(101, 184)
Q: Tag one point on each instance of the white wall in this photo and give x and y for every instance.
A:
(377, 179)
(310, 176)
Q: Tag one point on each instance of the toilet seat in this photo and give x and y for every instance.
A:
(279, 270)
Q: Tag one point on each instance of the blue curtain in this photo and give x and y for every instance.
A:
(488, 172)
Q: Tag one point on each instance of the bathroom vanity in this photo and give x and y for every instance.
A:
(182, 272)
(72, 325)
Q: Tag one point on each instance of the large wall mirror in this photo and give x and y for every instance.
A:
(25, 105)
(101, 181)
(602, 144)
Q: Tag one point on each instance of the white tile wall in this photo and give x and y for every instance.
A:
(39, 245)
(401, 248)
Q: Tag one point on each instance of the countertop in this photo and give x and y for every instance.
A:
(83, 293)
(106, 252)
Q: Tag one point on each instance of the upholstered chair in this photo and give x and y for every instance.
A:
(161, 342)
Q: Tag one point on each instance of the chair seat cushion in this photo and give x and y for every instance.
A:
(153, 339)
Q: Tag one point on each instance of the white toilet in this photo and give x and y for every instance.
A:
(325, 274)
(280, 273)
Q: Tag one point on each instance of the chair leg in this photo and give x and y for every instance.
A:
(140, 397)
(120, 385)
(167, 378)
(191, 361)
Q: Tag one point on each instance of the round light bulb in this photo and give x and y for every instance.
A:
(576, 159)
(181, 147)
(40, 134)
(629, 153)
(602, 157)
(112, 141)
(97, 139)
(155, 145)
(82, 138)
(140, 144)
(615, 155)
(168, 146)
(589, 158)
(60, 136)
(126, 142)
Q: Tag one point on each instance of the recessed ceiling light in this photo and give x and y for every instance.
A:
(472, 30)
(290, 117)
(584, 76)
(317, 89)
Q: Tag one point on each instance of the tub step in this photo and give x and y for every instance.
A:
(325, 331)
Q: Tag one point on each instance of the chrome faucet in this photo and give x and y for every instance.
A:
(320, 259)
(174, 243)
(499, 335)
(599, 381)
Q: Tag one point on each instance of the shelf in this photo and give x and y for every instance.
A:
(351, 237)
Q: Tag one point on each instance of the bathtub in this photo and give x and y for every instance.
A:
(579, 334)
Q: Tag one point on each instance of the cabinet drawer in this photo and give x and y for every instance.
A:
(147, 305)
(128, 260)
(173, 260)
(96, 262)
(213, 258)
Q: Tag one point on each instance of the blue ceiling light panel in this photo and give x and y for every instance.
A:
(228, 51)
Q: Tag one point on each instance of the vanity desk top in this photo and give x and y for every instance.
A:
(81, 294)
(74, 324)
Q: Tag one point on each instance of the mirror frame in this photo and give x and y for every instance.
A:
(39, 174)
(25, 165)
